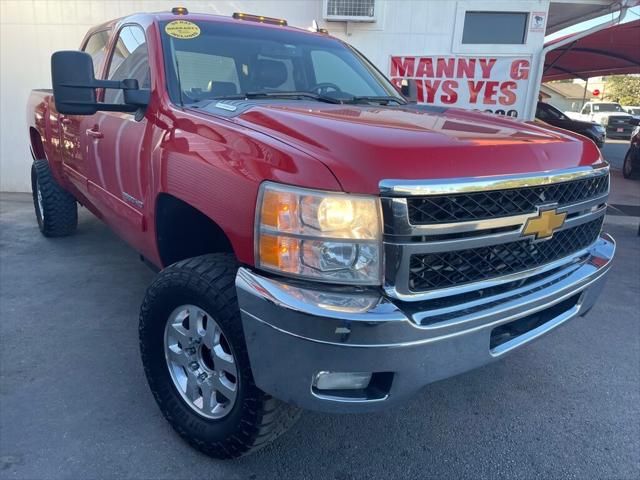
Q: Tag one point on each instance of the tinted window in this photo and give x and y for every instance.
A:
(495, 27)
(549, 112)
(96, 46)
(130, 59)
(232, 59)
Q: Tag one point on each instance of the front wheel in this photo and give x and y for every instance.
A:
(196, 362)
(629, 170)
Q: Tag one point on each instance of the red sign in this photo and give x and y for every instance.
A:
(596, 92)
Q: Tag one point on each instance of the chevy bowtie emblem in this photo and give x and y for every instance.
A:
(544, 224)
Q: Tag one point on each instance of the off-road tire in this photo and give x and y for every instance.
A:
(59, 217)
(628, 170)
(256, 419)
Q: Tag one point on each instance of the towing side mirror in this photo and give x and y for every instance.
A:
(409, 89)
(74, 86)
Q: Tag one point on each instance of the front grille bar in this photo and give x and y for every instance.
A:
(495, 204)
(412, 251)
(453, 268)
(450, 186)
(398, 258)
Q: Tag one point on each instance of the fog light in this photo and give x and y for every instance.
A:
(341, 380)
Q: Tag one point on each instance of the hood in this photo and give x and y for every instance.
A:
(363, 145)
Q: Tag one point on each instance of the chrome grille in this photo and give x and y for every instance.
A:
(618, 120)
(448, 269)
(444, 238)
(501, 203)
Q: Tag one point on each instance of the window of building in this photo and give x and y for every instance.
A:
(495, 28)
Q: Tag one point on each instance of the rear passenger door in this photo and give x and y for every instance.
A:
(120, 156)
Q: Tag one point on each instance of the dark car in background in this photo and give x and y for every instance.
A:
(551, 115)
(631, 166)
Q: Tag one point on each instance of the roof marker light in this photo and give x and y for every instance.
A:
(259, 18)
(180, 11)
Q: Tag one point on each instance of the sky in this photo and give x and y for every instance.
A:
(632, 14)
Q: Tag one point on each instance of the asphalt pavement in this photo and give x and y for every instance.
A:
(74, 401)
(614, 151)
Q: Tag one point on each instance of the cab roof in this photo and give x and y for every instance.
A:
(166, 16)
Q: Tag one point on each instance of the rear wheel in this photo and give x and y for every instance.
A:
(629, 170)
(56, 209)
(196, 362)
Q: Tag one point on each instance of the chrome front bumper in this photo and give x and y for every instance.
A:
(294, 332)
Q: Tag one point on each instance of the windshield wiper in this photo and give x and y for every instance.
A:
(258, 95)
(381, 99)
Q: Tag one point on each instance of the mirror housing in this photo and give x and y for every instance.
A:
(74, 86)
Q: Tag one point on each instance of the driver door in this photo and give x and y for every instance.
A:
(119, 160)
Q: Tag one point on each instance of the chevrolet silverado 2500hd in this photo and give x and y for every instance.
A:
(322, 244)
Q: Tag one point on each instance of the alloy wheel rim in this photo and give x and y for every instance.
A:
(201, 362)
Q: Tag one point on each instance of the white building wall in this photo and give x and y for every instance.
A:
(32, 29)
(561, 102)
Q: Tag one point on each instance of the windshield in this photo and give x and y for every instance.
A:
(232, 60)
(607, 107)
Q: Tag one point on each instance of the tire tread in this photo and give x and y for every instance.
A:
(61, 209)
(265, 418)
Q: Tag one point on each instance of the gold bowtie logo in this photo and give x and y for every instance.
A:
(544, 224)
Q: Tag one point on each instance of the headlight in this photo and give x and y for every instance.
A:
(598, 128)
(325, 236)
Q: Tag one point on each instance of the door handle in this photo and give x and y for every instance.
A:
(94, 133)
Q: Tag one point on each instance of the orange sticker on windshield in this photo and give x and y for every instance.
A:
(182, 29)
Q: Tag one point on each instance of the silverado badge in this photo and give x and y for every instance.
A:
(544, 224)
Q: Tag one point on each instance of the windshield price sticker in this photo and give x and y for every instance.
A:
(491, 84)
(182, 29)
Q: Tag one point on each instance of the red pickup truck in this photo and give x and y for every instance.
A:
(321, 243)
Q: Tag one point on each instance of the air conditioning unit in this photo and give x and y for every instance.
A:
(350, 10)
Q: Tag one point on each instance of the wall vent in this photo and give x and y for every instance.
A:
(350, 10)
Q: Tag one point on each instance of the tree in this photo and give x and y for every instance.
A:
(624, 89)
